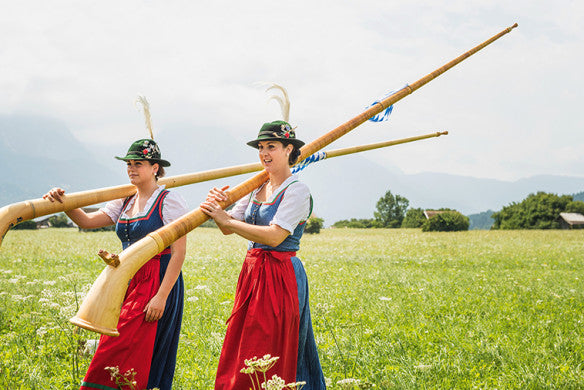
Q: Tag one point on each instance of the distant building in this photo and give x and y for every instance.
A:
(572, 220)
(43, 223)
(431, 213)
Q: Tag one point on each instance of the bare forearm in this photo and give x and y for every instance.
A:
(85, 220)
(271, 235)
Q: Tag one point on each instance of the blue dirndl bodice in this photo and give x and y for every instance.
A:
(262, 213)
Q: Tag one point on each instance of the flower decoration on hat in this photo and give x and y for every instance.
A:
(288, 131)
(151, 150)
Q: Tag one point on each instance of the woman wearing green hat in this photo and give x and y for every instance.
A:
(151, 314)
(271, 314)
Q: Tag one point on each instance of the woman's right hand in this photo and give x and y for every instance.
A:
(55, 194)
(217, 194)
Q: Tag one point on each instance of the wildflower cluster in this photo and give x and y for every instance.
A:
(126, 379)
(262, 365)
(352, 383)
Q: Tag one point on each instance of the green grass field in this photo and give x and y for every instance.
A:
(396, 308)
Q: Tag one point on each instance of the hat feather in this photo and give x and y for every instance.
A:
(283, 100)
(146, 106)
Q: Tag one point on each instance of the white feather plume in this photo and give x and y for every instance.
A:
(146, 106)
(283, 100)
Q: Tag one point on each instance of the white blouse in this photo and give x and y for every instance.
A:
(294, 207)
(173, 207)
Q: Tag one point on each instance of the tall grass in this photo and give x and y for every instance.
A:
(396, 308)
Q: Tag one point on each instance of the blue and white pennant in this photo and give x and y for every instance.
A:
(384, 115)
(318, 156)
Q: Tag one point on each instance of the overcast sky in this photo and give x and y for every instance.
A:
(512, 110)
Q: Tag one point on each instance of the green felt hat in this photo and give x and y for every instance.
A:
(276, 131)
(145, 149)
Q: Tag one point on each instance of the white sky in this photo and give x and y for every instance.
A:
(511, 110)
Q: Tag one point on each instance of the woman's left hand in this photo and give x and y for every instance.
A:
(155, 308)
(214, 210)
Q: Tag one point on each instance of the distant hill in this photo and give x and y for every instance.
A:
(579, 196)
(481, 221)
(350, 187)
(38, 153)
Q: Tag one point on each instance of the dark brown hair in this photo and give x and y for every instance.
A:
(293, 157)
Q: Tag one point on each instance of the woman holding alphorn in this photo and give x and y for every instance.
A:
(151, 314)
(271, 313)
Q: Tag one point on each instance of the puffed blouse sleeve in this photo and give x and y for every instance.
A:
(294, 207)
(238, 211)
(113, 209)
(173, 207)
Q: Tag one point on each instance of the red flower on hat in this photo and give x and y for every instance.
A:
(287, 134)
(145, 152)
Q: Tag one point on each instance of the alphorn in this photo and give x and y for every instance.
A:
(29, 209)
(100, 309)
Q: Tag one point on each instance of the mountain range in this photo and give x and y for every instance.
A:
(38, 153)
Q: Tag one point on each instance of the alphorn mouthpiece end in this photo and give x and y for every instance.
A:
(515, 25)
(109, 258)
(443, 133)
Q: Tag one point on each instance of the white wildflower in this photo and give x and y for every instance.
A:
(423, 366)
(276, 383)
(349, 381)
(41, 331)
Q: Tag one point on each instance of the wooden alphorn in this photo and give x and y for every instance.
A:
(101, 307)
(29, 209)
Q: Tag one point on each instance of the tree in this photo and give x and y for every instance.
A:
(313, 225)
(537, 211)
(576, 206)
(26, 225)
(449, 221)
(356, 223)
(59, 221)
(414, 218)
(391, 210)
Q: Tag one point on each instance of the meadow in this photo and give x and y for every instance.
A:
(399, 309)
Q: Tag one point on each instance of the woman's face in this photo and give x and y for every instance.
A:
(140, 171)
(273, 154)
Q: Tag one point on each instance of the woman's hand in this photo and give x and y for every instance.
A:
(217, 194)
(155, 308)
(214, 210)
(55, 194)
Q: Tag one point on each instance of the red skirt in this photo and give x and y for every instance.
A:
(264, 320)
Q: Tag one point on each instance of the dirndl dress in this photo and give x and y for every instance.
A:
(148, 348)
(271, 312)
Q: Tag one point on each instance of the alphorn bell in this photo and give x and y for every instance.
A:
(101, 307)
